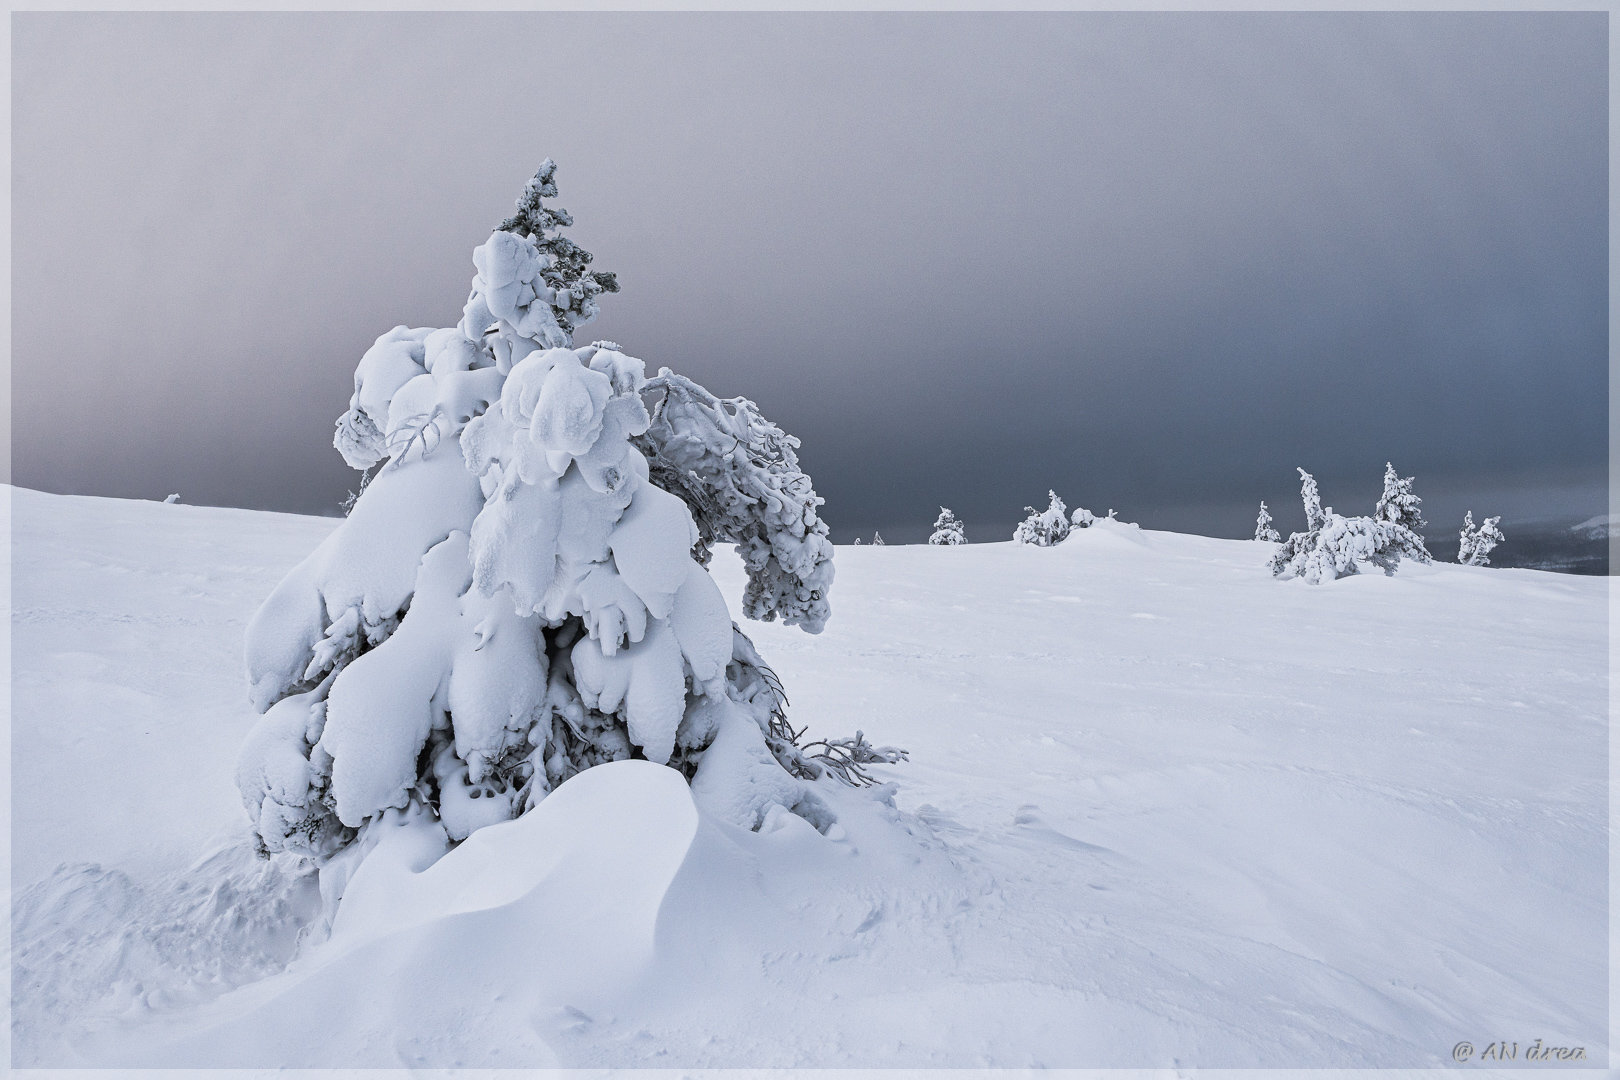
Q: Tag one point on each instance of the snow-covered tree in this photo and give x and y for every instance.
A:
(1312, 499)
(1465, 541)
(519, 592)
(1486, 539)
(1081, 518)
(1335, 546)
(948, 530)
(1476, 544)
(1262, 526)
(1043, 528)
(877, 539)
(1397, 504)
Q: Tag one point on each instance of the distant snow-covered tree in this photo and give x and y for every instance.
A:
(1476, 544)
(1081, 518)
(1335, 546)
(877, 539)
(1262, 526)
(857, 541)
(519, 592)
(1486, 539)
(1043, 528)
(948, 530)
(1312, 499)
(1397, 504)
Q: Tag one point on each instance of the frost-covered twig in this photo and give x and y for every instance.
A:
(845, 758)
(366, 477)
(423, 427)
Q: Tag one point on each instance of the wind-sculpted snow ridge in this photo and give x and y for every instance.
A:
(597, 906)
(520, 592)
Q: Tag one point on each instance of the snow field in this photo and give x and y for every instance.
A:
(1161, 810)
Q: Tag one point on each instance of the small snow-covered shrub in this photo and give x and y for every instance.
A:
(1476, 544)
(1335, 546)
(519, 591)
(948, 530)
(877, 539)
(1043, 528)
(1262, 526)
(1081, 518)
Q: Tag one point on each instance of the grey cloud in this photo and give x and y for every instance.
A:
(1154, 261)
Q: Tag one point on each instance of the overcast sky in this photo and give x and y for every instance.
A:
(1155, 261)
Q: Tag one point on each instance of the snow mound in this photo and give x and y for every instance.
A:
(551, 911)
(600, 850)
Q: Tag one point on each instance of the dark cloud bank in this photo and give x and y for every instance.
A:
(1153, 261)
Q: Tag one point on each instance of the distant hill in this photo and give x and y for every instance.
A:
(1597, 528)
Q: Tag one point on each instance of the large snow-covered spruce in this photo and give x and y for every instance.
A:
(519, 592)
